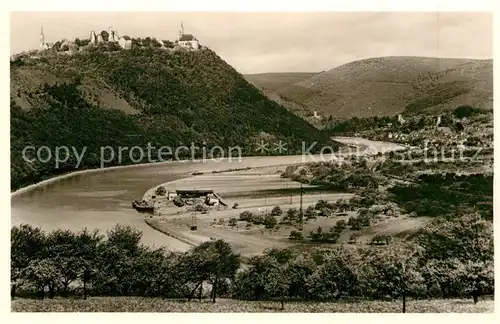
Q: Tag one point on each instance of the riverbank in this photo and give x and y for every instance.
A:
(57, 178)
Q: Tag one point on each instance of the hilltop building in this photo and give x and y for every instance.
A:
(187, 40)
(43, 44)
(125, 42)
(110, 36)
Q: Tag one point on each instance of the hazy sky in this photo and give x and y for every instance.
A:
(280, 42)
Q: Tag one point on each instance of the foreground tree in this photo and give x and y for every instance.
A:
(27, 245)
(43, 273)
(392, 271)
(458, 256)
(212, 261)
(337, 276)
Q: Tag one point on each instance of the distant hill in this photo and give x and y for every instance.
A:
(274, 85)
(386, 86)
(132, 97)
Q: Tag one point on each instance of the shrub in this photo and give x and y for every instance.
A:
(381, 240)
(257, 219)
(340, 225)
(276, 211)
(200, 208)
(354, 223)
(310, 213)
(292, 214)
(178, 202)
(323, 204)
(160, 191)
(232, 222)
(246, 216)
(296, 235)
(270, 221)
(465, 111)
(353, 239)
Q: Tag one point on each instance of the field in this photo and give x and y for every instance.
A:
(143, 304)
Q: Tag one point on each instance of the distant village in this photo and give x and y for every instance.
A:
(110, 38)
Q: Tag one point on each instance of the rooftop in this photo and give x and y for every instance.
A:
(187, 37)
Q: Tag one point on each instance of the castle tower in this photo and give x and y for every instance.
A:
(42, 38)
(113, 35)
(93, 37)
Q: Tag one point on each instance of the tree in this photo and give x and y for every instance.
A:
(125, 237)
(457, 255)
(296, 235)
(336, 277)
(27, 245)
(160, 191)
(300, 268)
(310, 213)
(232, 222)
(467, 238)
(43, 273)
(277, 280)
(292, 214)
(353, 239)
(86, 250)
(464, 111)
(340, 225)
(381, 239)
(478, 278)
(276, 211)
(355, 223)
(393, 271)
(214, 261)
(60, 247)
(246, 216)
(270, 221)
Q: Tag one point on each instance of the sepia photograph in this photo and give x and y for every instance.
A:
(251, 162)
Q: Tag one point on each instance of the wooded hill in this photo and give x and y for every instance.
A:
(129, 98)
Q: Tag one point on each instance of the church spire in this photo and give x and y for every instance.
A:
(181, 31)
(42, 37)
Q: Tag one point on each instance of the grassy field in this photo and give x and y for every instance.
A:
(142, 304)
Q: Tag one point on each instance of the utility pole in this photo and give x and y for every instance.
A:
(301, 215)
(403, 267)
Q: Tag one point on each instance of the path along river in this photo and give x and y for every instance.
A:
(102, 199)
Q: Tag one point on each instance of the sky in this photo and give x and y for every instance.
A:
(280, 42)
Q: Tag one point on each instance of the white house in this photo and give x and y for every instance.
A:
(125, 42)
(171, 194)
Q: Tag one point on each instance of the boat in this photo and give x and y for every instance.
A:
(142, 206)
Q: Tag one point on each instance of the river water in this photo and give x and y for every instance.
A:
(103, 199)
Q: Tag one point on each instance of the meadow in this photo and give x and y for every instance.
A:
(144, 304)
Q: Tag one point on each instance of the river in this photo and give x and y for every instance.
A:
(103, 199)
(100, 200)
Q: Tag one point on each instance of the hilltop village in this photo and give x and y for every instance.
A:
(111, 40)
